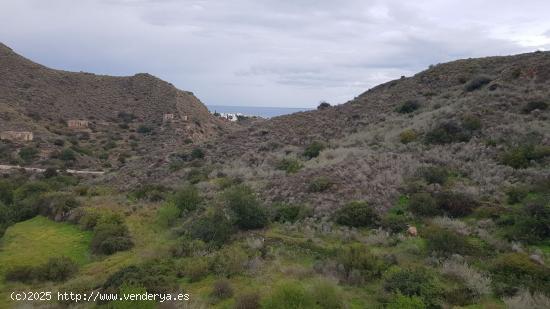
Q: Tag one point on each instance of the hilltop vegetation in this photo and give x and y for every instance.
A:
(425, 192)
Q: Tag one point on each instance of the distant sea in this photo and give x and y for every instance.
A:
(265, 112)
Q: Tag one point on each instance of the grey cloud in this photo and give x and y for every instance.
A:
(268, 52)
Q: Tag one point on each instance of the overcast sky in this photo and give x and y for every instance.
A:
(291, 53)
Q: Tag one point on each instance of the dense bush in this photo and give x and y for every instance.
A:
(522, 156)
(149, 192)
(513, 271)
(197, 153)
(229, 261)
(248, 301)
(55, 269)
(28, 153)
(395, 222)
(323, 105)
(187, 199)
(67, 155)
(320, 184)
(471, 122)
(434, 174)
(408, 107)
(517, 194)
(314, 149)
(245, 208)
(423, 204)
(289, 295)
(57, 205)
(195, 268)
(445, 242)
(413, 282)
(357, 265)
(533, 105)
(110, 235)
(530, 222)
(456, 204)
(477, 83)
(357, 214)
(408, 136)
(197, 175)
(222, 289)
(143, 129)
(290, 212)
(290, 165)
(156, 276)
(448, 132)
(211, 227)
(327, 295)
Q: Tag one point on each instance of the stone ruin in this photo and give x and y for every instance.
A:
(78, 124)
(17, 136)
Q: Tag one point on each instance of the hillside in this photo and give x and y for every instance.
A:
(118, 110)
(364, 152)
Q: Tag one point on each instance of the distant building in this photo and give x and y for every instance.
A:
(167, 117)
(17, 136)
(78, 124)
(230, 116)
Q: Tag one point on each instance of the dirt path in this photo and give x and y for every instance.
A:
(41, 170)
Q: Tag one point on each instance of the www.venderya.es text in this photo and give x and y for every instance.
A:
(95, 296)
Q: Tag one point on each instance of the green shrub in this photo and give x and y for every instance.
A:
(395, 222)
(408, 107)
(290, 165)
(149, 192)
(110, 235)
(357, 264)
(67, 155)
(28, 154)
(521, 156)
(25, 274)
(408, 136)
(445, 242)
(423, 204)
(248, 301)
(517, 194)
(413, 282)
(56, 269)
(195, 268)
(197, 153)
(289, 295)
(400, 301)
(211, 227)
(357, 214)
(477, 83)
(514, 271)
(456, 204)
(434, 174)
(447, 132)
(530, 223)
(245, 208)
(57, 205)
(290, 212)
(143, 129)
(156, 276)
(229, 261)
(187, 199)
(222, 289)
(314, 149)
(327, 295)
(320, 184)
(461, 296)
(471, 122)
(168, 214)
(197, 175)
(533, 105)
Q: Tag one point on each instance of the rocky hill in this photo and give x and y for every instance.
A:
(96, 115)
(465, 115)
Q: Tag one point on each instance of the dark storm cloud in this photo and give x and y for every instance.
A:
(269, 52)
